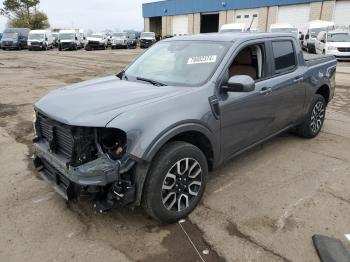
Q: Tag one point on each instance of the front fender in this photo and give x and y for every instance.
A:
(177, 129)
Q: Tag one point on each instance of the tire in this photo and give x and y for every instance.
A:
(314, 119)
(159, 199)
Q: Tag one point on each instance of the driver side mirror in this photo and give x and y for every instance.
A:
(239, 83)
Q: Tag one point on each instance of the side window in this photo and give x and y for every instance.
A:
(284, 56)
(249, 61)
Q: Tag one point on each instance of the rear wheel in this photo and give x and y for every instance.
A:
(176, 182)
(314, 120)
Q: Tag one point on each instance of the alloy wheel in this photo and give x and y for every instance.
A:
(317, 117)
(181, 184)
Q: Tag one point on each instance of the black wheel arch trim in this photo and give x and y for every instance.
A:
(177, 129)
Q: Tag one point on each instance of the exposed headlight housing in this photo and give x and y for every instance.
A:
(113, 142)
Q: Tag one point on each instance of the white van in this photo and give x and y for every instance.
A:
(335, 43)
(314, 28)
(69, 40)
(284, 28)
(233, 28)
(40, 40)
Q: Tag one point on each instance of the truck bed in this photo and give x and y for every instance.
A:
(311, 59)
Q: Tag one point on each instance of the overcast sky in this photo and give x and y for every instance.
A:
(92, 14)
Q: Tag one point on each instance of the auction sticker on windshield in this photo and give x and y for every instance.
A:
(202, 59)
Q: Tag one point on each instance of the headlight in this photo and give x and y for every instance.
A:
(332, 48)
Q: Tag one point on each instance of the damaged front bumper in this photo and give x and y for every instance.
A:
(100, 175)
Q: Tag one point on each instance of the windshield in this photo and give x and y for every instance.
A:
(179, 63)
(231, 31)
(285, 30)
(97, 36)
(119, 35)
(66, 36)
(148, 35)
(10, 35)
(344, 37)
(315, 31)
(36, 36)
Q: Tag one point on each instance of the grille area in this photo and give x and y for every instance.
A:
(59, 136)
(96, 43)
(344, 49)
(66, 45)
(7, 43)
(61, 183)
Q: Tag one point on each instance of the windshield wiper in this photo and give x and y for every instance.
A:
(153, 82)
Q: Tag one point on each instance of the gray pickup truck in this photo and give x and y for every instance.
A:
(149, 135)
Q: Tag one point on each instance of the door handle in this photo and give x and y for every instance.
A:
(265, 91)
(298, 79)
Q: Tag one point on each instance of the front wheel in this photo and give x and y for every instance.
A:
(176, 182)
(314, 120)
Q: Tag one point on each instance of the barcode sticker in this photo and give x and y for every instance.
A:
(202, 59)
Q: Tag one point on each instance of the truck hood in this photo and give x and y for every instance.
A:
(96, 102)
(67, 40)
(95, 39)
(147, 38)
(339, 44)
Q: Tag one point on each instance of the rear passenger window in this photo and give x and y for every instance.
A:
(284, 56)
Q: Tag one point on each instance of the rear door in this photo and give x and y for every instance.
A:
(288, 82)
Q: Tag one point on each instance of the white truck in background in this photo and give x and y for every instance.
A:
(233, 28)
(40, 40)
(314, 28)
(69, 40)
(97, 41)
(284, 28)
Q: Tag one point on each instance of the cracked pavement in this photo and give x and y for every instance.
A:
(264, 205)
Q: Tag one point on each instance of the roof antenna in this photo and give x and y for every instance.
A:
(251, 23)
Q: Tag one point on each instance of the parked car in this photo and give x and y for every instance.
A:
(233, 28)
(14, 38)
(284, 28)
(96, 41)
(83, 40)
(40, 40)
(150, 134)
(147, 39)
(123, 40)
(335, 43)
(314, 28)
(55, 38)
(168, 36)
(69, 40)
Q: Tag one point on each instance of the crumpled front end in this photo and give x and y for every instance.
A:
(84, 161)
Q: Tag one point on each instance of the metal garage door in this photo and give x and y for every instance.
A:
(180, 25)
(246, 16)
(297, 15)
(341, 14)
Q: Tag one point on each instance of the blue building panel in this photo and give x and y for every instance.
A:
(179, 7)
